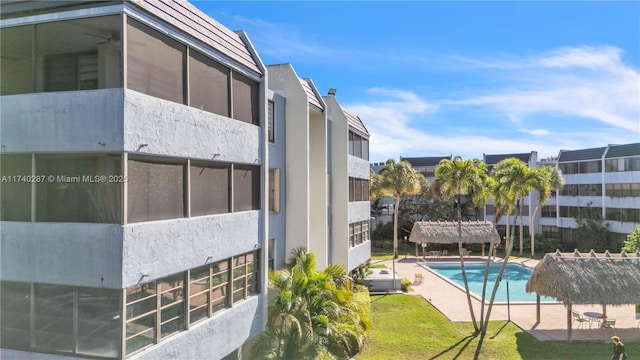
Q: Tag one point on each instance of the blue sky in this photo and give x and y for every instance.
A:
(431, 78)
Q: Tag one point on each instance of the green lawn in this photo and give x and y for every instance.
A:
(408, 327)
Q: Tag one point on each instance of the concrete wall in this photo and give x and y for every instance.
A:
(359, 211)
(161, 248)
(178, 130)
(71, 121)
(62, 253)
(359, 255)
(277, 159)
(284, 81)
(339, 201)
(318, 188)
(122, 119)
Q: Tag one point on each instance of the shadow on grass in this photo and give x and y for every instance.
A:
(499, 330)
(377, 298)
(466, 340)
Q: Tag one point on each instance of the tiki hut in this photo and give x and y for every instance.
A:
(575, 278)
(438, 232)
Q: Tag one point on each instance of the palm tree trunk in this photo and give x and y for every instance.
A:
(521, 226)
(508, 248)
(485, 280)
(532, 231)
(464, 272)
(395, 226)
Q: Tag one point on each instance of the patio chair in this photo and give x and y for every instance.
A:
(417, 280)
(577, 317)
(445, 252)
(609, 324)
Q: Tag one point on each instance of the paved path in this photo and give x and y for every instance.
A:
(451, 300)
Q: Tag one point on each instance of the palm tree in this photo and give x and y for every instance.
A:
(512, 182)
(550, 180)
(454, 179)
(399, 179)
(313, 314)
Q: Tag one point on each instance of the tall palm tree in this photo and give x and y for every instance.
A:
(550, 179)
(513, 180)
(313, 314)
(399, 179)
(454, 179)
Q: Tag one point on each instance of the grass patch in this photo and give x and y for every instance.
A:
(408, 327)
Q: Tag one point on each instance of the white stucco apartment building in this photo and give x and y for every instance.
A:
(153, 171)
(134, 156)
(311, 153)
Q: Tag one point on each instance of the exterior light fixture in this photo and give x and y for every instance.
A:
(332, 91)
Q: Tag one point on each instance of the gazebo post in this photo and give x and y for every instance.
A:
(569, 319)
(604, 313)
(537, 308)
(417, 249)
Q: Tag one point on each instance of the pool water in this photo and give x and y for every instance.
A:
(518, 276)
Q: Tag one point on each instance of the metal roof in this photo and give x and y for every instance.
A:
(425, 161)
(627, 150)
(312, 94)
(584, 154)
(196, 23)
(493, 159)
(355, 123)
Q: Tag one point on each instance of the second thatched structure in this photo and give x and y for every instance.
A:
(575, 278)
(445, 232)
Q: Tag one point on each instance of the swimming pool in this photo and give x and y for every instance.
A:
(518, 276)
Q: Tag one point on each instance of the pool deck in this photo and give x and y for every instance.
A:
(452, 302)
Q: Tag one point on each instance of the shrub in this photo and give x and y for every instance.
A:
(405, 284)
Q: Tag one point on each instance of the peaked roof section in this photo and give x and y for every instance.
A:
(584, 154)
(194, 22)
(314, 97)
(425, 161)
(617, 151)
(355, 122)
(494, 159)
(591, 278)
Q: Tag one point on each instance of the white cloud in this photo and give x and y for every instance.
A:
(569, 98)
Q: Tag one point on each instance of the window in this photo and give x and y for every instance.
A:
(208, 84)
(358, 189)
(245, 99)
(271, 132)
(549, 211)
(351, 239)
(141, 314)
(155, 191)
(208, 290)
(246, 188)
(15, 317)
(209, 188)
(81, 191)
(245, 276)
(490, 210)
(15, 193)
(155, 63)
(274, 190)
(171, 290)
(358, 146)
(65, 319)
(16, 70)
(628, 164)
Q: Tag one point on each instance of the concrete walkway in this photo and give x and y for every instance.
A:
(451, 300)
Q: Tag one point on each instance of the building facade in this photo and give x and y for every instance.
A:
(153, 171)
(604, 180)
(134, 182)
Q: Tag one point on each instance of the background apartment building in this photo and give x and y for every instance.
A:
(133, 150)
(603, 181)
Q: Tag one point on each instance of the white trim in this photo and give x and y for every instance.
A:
(64, 15)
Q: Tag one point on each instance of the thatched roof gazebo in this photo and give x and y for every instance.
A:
(445, 232)
(575, 278)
